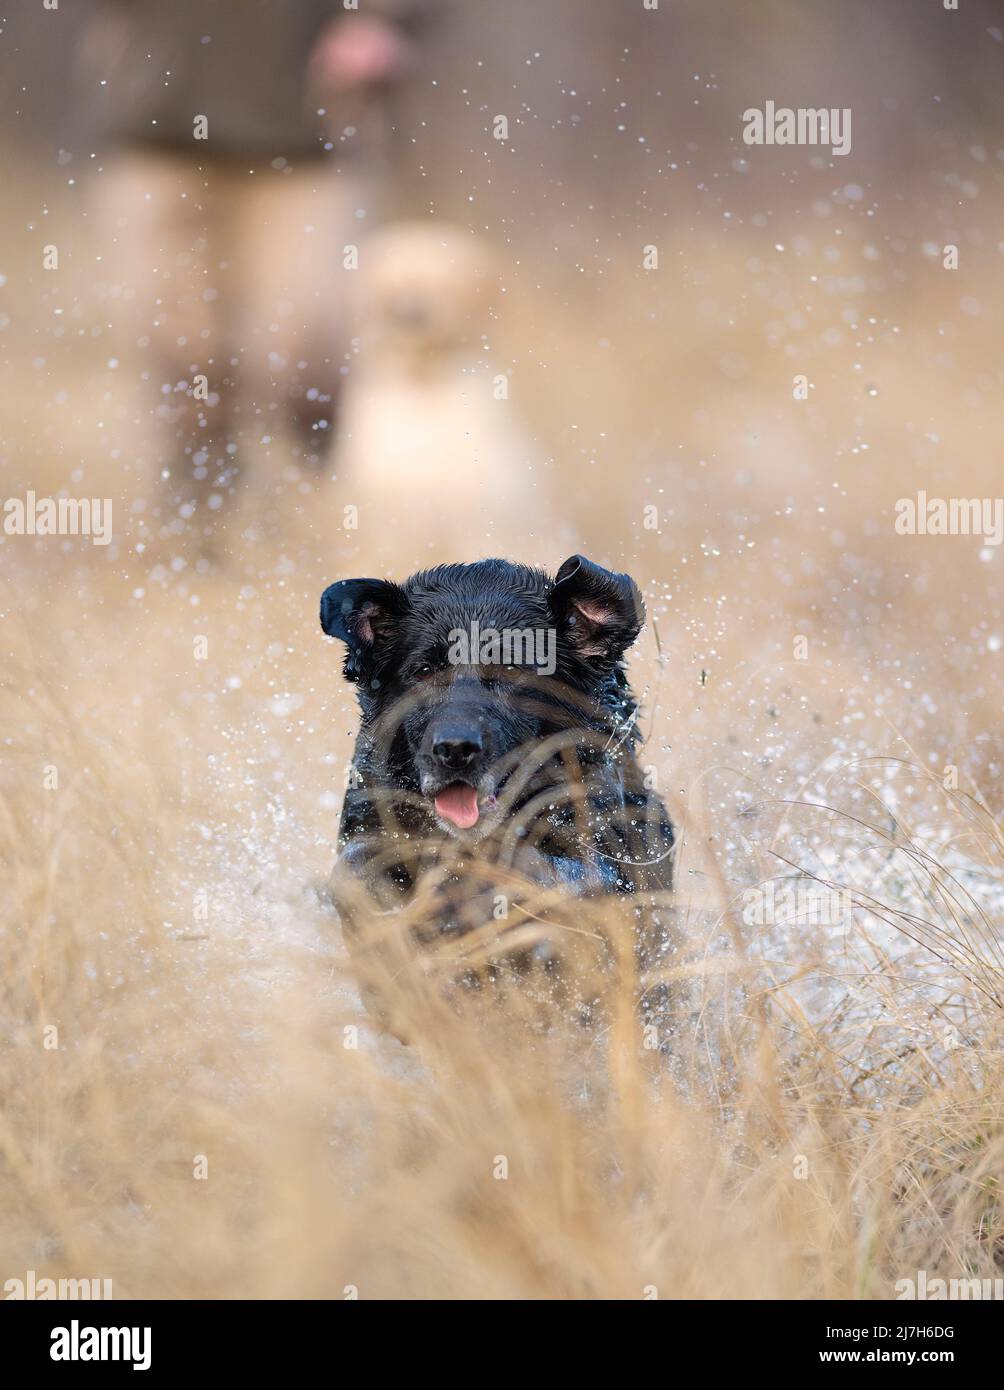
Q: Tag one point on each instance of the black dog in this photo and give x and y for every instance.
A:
(498, 726)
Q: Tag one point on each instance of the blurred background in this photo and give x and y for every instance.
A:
(627, 388)
(420, 342)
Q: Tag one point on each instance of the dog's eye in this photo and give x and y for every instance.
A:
(423, 672)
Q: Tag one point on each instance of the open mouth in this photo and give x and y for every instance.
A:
(458, 803)
(461, 804)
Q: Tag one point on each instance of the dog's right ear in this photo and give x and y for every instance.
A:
(361, 613)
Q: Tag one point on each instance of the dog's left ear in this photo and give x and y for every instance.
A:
(361, 613)
(600, 613)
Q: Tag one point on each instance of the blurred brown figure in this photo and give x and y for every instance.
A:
(244, 143)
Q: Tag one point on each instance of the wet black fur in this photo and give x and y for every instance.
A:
(619, 841)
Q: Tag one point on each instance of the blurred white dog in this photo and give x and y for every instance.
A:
(429, 448)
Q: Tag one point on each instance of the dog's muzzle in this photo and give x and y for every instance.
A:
(453, 771)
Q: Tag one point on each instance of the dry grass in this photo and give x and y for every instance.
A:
(828, 1117)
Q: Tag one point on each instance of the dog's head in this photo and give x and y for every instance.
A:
(426, 288)
(464, 670)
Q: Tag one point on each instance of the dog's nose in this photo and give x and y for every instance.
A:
(456, 750)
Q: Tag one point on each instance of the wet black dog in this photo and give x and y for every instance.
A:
(497, 725)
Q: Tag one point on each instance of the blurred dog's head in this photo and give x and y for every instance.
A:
(426, 289)
(464, 670)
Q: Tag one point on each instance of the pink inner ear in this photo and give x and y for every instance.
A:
(598, 614)
(594, 612)
(364, 627)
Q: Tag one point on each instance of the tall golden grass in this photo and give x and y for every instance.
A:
(214, 1115)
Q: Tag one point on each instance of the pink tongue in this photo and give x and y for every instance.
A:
(458, 804)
